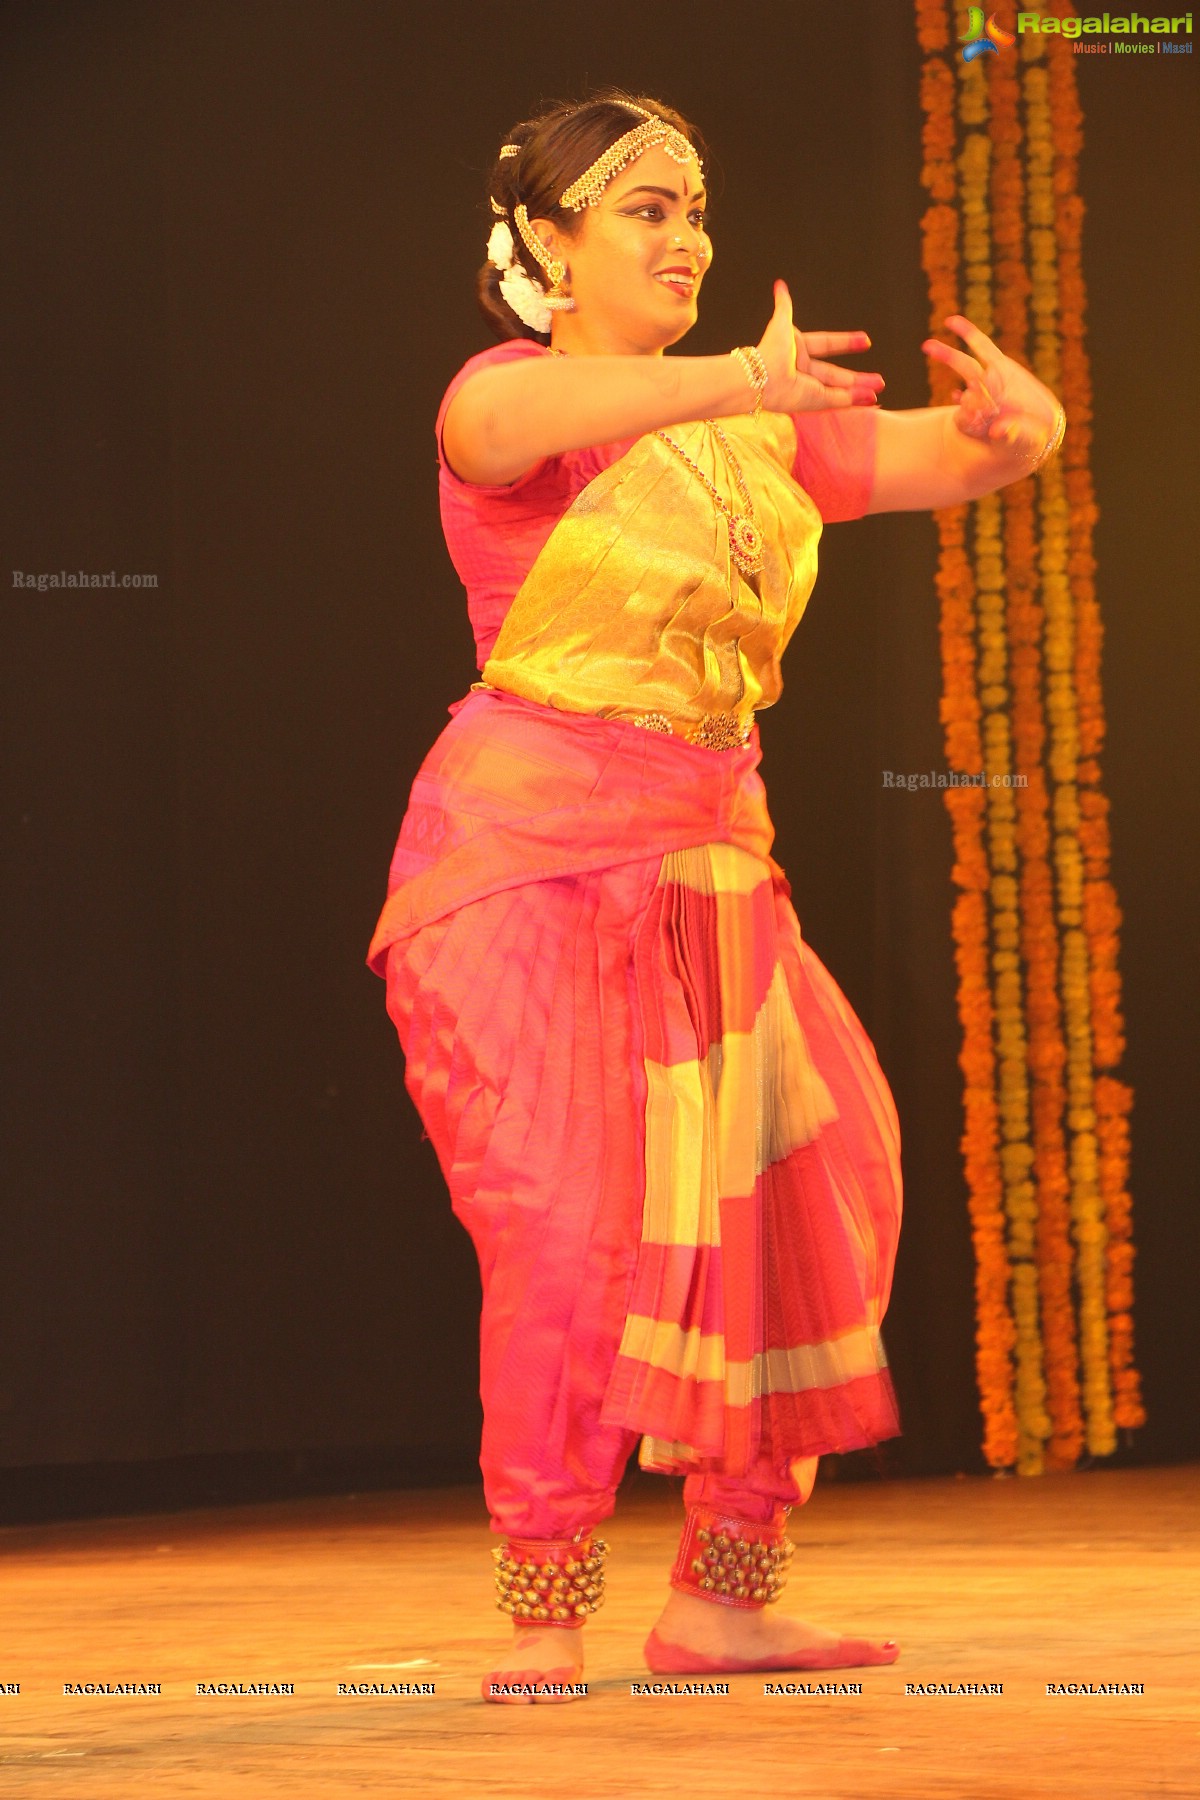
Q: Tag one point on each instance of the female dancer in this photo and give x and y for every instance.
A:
(660, 1121)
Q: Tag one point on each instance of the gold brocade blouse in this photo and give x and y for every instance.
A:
(635, 607)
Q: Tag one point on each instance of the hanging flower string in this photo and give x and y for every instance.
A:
(1087, 1207)
(1035, 919)
(1113, 1099)
(1038, 933)
(995, 1334)
(1016, 1155)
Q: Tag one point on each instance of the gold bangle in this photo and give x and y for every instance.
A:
(749, 357)
(1052, 442)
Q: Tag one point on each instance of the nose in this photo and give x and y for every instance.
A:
(693, 240)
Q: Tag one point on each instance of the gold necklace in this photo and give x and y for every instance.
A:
(745, 538)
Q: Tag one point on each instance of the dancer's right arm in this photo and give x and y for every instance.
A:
(505, 419)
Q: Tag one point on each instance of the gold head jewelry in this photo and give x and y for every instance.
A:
(557, 299)
(653, 131)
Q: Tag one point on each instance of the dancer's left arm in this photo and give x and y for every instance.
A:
(943, 455)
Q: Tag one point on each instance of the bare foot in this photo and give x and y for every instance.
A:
(541, 1658)
(712, 1636)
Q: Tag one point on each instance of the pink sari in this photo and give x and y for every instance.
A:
(692, 1067)
(656, 1113)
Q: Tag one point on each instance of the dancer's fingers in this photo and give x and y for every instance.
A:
(977, 341)
(840, 396)
(964, 366)
(836, 343)
(834, 376)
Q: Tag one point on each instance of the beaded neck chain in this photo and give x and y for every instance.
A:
(745, 538)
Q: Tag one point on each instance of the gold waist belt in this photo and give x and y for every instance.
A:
(715, 730)
(727, 730)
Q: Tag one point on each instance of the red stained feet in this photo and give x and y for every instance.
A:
(524, 1687)
(664, 1658)
(702, 1637)
(535, 1671)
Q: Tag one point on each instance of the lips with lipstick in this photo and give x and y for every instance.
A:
(680, 278)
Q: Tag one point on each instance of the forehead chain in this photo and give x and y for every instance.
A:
(653, 132)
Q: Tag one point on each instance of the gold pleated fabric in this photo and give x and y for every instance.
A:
(635, 604)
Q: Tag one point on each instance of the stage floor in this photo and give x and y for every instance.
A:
(1084, 1579)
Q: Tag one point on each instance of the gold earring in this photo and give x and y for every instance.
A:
(558, 299)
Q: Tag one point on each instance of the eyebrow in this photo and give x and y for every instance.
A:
(667, 193)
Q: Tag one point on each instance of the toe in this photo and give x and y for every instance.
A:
(510, 1687)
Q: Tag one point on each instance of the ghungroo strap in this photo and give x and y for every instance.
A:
(550, 1581)
(731, 1560)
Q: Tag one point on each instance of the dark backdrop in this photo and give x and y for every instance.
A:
(239, 245)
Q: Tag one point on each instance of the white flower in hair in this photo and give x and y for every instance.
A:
(523, 295)
(500, 248)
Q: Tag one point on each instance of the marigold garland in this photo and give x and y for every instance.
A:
(1024, 622)
(1112, 1099)
(995, 1334)
(1016, 1158)
(1063, 755)
(1035, 922)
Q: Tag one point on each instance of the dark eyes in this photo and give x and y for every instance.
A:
(698, 214)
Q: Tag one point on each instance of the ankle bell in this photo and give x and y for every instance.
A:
(550, 1581)
(732, 1561)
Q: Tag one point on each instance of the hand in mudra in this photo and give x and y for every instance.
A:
(797, 381)
(999, 400)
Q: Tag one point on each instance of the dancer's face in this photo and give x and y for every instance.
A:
(637, 263)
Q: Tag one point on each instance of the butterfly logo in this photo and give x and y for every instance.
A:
(985, 35)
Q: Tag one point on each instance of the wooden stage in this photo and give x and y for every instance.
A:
(1085, 1579)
